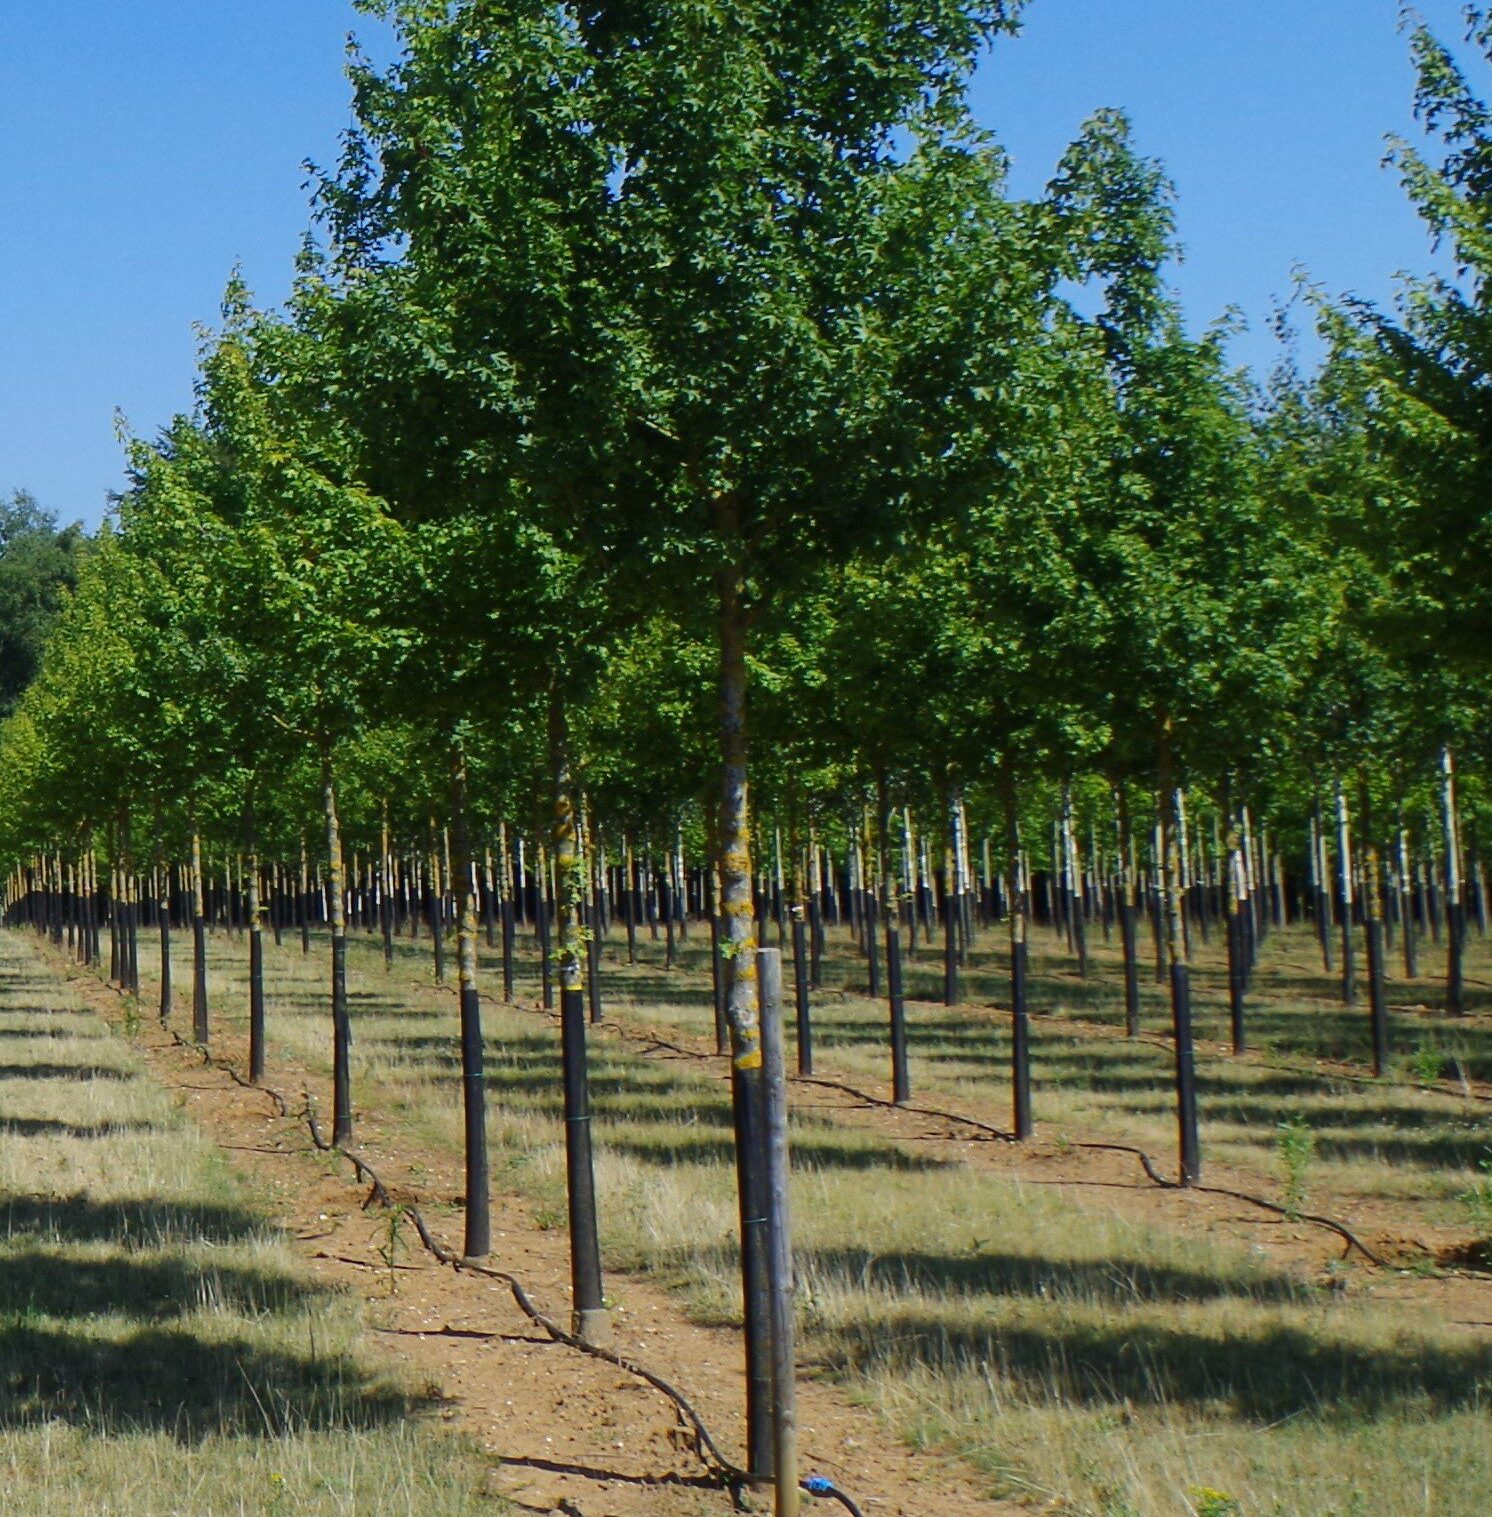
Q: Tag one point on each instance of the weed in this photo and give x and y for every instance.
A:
(1427, 1063)
(1477, 1199)
(1208, 1501)
(1295, 1147)
(391, 1245)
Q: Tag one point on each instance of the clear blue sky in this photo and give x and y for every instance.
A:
(146, 146)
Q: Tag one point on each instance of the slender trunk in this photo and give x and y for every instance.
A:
(1020, 1025)
(950, 899)
(901, 1083)
(1345, 897)
(1373, 932)
(629, 899)
(1236, 903)
(1322, 874)
(736, 909)
(589, 1315)
(1181, 1010)
(435, 905)
(592, 934)
(717, 964)
(341, 1021)
(386, 888)
(1072, 867)
(1183, 878)
(303, 901)
(163, 925)
(509, 912)
(489, 899)
(543, 927)
(473, 1078)
(1127, 936)
(256, 950)
(1403, 869)
(1157, 906)
(869, 907)
(799, 919)
(199, 942)
(129, 963)
(1455, 905)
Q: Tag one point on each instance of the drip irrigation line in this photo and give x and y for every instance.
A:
(1339, 1069)
(987, 1128)
(705, 1445)
(209, 1062)
(818, 1485)
(1460, 1089)
(1147, 1164)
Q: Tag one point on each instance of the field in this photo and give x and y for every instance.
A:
(1084, 1340)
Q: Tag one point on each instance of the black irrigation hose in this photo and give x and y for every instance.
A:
(1146, 1163)
(705, 1445)
(210, 1062)
(986, 1128)
(1349, 1237)
(817, 1485)
(654, 1041)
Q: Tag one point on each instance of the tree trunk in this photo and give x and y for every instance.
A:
(1345, 897)
(199, 942)
(435, 908)
(1127, 932)
(589, 1316)
(1237, 904)
(1373, 930)
(1181, 1010)
(901, 1083)
(473, 1078)
(163, 924)
(1455, 904)
(386, 888)
(509, 912)
(341, 1022)
(736, 910)
(1020, 1025)
(1408, 928)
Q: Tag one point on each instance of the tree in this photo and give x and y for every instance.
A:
(38, 565)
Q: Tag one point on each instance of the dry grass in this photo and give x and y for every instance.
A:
(1112, 1368)
(161, 1352)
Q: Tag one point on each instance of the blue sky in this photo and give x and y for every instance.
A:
(147, 146)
